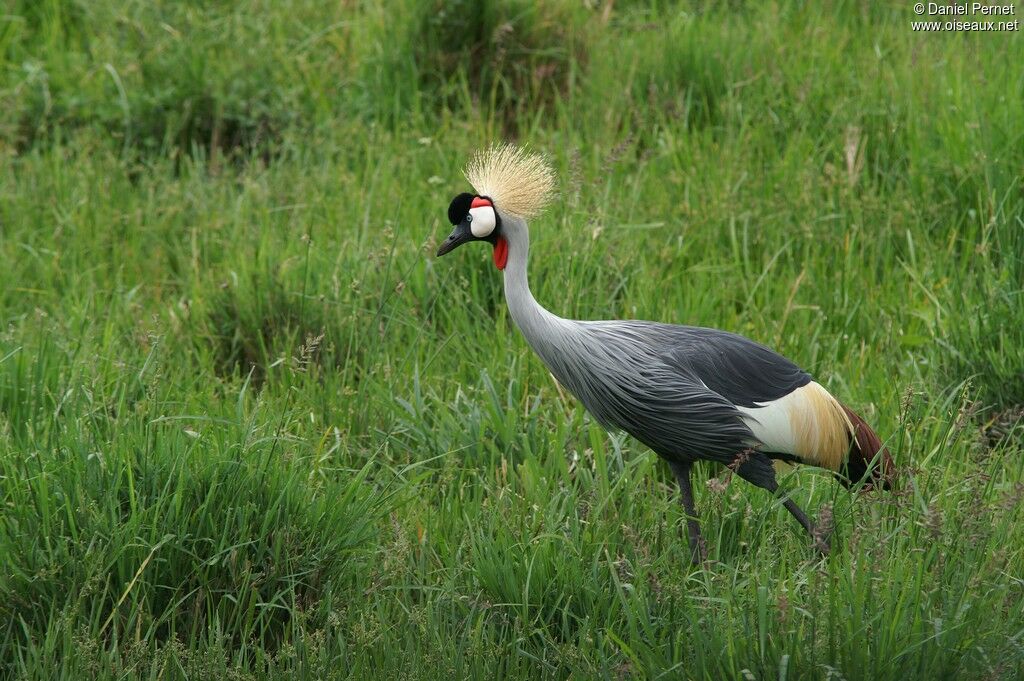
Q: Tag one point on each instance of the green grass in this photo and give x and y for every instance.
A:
(251, 428)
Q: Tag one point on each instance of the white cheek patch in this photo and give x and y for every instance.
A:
(483, 221)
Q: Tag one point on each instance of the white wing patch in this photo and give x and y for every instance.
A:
(808, 423)
(770, 423)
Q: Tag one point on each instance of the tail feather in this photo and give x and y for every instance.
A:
(866, 445)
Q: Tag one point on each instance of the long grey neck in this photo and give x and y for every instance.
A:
(540, 327)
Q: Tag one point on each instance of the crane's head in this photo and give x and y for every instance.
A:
(475, 219)
(509, 181)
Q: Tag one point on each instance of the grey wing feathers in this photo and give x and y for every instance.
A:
(676, 415)
(621, 374)
(742, 371)
(674, 388)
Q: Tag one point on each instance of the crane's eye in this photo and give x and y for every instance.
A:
(481, 221)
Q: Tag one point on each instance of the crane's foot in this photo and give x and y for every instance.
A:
(821, 532)
(698, 550)
(821, 539)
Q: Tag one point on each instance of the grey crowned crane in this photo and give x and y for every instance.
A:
(688, 393)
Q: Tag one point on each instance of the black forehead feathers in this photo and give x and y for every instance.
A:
(459, 207)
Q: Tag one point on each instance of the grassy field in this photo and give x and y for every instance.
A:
(250, 427)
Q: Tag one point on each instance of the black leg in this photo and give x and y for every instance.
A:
(757, 469)
(818, 535)
(800, 516)
(698, 549)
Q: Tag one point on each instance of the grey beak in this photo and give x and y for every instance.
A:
(459, 236)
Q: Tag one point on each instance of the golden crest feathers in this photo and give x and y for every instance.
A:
(519, 182)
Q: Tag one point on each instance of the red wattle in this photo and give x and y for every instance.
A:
(501, 253)
(479, 201)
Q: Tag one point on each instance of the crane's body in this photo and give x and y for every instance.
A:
(689, 393)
